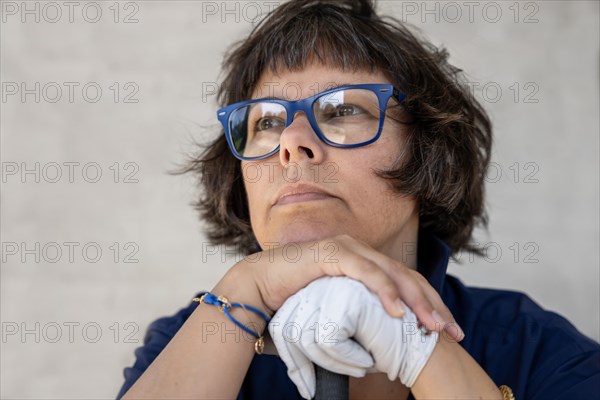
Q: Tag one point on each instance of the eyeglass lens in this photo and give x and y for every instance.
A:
(344, 117)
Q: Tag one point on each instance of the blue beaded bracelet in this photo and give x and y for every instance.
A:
(224, 305)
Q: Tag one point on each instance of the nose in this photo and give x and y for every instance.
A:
(300, 143)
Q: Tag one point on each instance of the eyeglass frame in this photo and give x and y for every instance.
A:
(383, 91)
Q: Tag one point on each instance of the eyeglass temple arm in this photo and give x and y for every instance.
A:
(398, 95)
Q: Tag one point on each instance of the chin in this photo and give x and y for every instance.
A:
(302, 232)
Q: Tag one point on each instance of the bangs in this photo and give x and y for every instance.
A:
(325, 35)
(326, 38)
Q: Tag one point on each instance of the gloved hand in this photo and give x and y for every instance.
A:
(336, 322)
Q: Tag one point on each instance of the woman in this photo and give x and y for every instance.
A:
(356, 184)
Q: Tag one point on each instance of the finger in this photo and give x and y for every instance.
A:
(428, 317)
(314, 341)
(370, 274)
(421, 301)
(451, 327)
(300, 368)
(348, 352)
(415, 298)
(313, 333)
(307, 388)
(314, 352)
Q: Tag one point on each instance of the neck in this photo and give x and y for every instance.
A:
(403, 246)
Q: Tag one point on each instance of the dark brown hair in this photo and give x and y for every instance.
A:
(449, 139)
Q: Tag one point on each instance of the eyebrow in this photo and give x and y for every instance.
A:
(327, 86)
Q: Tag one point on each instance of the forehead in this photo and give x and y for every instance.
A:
(312, 79)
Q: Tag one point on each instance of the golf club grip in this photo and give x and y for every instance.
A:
(330, 386)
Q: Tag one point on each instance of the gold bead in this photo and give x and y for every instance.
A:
(259, 345)
(507, 393)
(199, 299)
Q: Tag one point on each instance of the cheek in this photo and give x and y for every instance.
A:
(250, 185)
(257, 184)
(392, 142)
(362, 167)
(373, 196)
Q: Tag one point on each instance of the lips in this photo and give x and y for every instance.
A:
(296, 198)
(301, 192)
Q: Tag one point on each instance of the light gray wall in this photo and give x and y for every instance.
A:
(170, 56)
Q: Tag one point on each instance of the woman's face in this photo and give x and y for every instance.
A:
(359, 204)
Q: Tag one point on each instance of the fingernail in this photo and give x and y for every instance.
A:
(460, 334)
(399, 306)
(449, 326)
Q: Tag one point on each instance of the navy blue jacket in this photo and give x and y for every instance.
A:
(538, 353)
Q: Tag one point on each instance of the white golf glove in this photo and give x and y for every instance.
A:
(340, 325)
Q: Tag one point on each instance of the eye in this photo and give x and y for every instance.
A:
(346, 110)
(342, 110)
(264, 124)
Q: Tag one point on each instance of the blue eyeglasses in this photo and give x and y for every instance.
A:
(346, 117)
